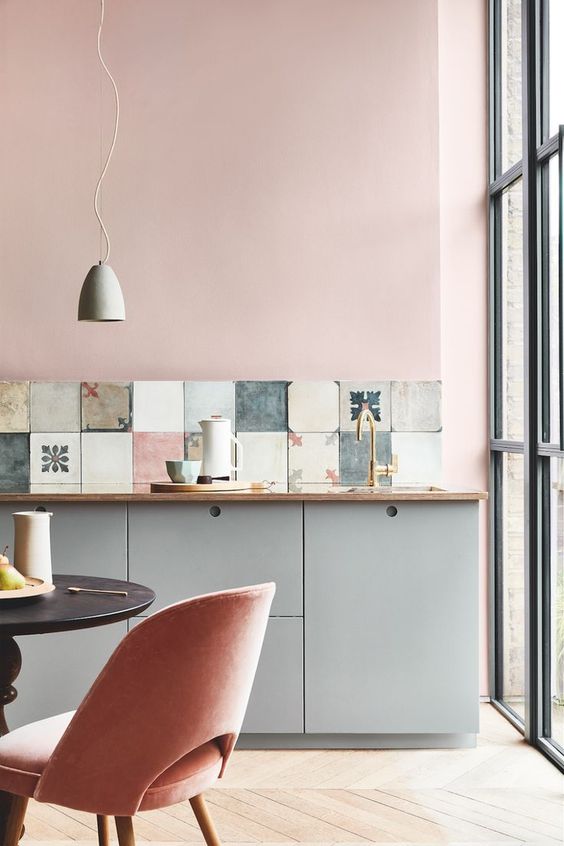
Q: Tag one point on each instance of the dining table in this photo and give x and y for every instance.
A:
(97, 602)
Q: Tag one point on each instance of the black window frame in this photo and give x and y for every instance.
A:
(537, 151)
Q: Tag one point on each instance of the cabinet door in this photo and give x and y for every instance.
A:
(276, 703)
(391, 618)
(57, 669)
(181, 549)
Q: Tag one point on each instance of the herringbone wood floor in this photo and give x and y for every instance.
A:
(501, 792)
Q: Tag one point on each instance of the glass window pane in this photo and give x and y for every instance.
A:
(555, 64)
(510, 394)
(553, 305)
(513, 582)
(510, 106)
(557, 600)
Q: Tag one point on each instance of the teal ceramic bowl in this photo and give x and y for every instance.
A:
(183, 472)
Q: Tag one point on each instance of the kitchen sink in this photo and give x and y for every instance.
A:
(387, 489)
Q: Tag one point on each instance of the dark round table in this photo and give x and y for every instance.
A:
(59, 611)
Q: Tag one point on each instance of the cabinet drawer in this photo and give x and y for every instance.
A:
(276, 703)
(181, 550)
(87, 539)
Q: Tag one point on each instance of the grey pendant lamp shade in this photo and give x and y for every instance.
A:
(101, 299)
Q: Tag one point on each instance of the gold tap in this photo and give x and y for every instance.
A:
(374, 470)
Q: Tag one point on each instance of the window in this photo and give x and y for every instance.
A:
(527, 428)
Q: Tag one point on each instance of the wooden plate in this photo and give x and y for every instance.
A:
(215, 487)
(33, 588)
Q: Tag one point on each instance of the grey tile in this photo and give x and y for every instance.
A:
(55, 406)
(356, 454)
(202, 399)
(14, 460)
(416, 406)
(261, 406)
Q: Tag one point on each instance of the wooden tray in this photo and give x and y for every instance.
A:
(215, 487)
(33, 588)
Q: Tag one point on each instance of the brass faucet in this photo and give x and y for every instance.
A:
(374, 470)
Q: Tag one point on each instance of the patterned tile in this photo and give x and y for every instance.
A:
(151, 450)
(354, 396)
(107, 458)
(158, 406)
(261, 406)
(14, 460)
(313, 406)
(419, 457)
(14, 406)
(265, 457)
(55, 406)
(202, 399)
(193, 446)
(355, 456)
(55, 458)
(106, 406)
(416, 406)
(313, 457)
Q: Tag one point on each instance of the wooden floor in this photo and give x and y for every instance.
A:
(501, 792)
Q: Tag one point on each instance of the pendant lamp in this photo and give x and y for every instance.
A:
(101, 299)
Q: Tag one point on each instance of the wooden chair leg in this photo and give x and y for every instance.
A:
(103, 824)
(125, 833)
(14, 823)
(205, 821)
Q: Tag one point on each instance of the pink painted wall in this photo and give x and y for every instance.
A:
(273, 201)
(463, 252)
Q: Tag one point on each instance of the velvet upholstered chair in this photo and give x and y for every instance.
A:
(157, 726)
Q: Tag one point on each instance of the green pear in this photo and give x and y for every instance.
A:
(10, 578)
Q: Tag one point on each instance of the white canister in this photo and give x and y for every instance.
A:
(32, 544)
(217, 439)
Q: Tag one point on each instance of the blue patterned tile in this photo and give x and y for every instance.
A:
(261, 406)
(355, 456)
(355, 396)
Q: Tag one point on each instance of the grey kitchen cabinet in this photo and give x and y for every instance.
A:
(57, 669)
(276, 704)
(182, 549)
(391, 618)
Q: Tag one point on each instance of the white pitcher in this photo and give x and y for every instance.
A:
(32, 544)
(217, 440)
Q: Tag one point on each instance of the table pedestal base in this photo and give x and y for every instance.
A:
(10, 665)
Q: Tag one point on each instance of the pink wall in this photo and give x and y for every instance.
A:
(463, 169)
(273, 201)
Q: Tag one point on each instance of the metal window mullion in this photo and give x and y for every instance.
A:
(530, 81)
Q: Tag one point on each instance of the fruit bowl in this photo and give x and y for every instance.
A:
(33, 588)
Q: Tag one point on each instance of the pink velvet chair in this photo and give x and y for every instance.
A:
(157, 726)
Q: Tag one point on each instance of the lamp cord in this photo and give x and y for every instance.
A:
(113, 144)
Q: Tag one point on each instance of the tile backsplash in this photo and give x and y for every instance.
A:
(297, 434)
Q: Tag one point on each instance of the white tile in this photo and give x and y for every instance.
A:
(158, 406)
(313, 406)
(265, 457)
(55, 406)
(55, 458)
(107, 458)
(313, 457)
(416, 406)
(419, 457)
(354, 396)
(202, 399)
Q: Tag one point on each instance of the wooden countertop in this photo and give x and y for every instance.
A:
(142, 493)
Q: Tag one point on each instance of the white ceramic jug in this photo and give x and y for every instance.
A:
(217, 440)
(32, 544)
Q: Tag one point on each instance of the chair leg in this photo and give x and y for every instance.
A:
(14, 823)
(125, 833)
(205, 821)
(103, 824)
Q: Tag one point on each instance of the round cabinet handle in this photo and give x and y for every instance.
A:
(391, 511)
(215, 511)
